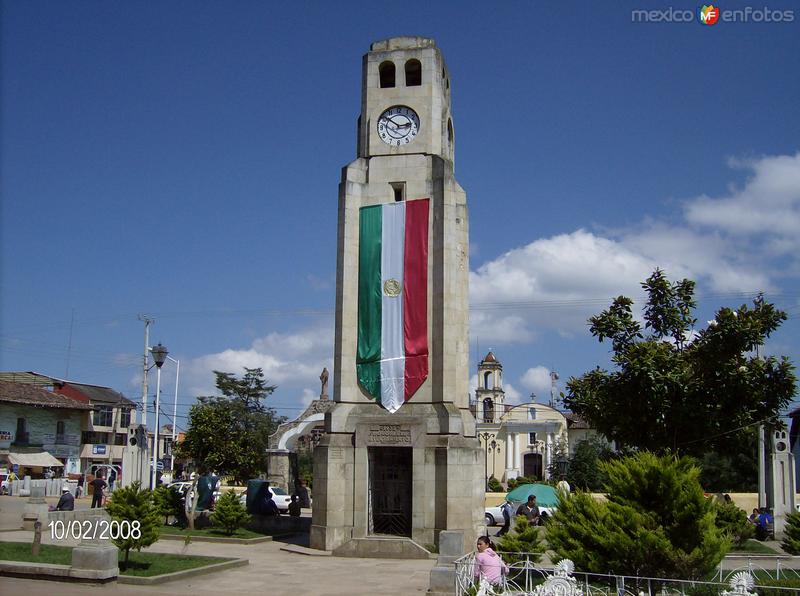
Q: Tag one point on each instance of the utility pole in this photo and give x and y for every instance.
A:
(147, 320)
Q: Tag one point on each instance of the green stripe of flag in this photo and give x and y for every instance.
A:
(369, 299)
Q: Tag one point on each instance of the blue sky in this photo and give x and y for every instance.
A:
(181, 160)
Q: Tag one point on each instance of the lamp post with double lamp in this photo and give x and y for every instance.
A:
(487, 437)
(160, 356)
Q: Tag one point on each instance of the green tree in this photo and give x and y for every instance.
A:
(678, 390)
(230, 433)
(494, 485)
(169, 502)
(229, 513)
(656, 522)
(791, 534)
(134, 505)
(734, 523)
(522, 538)
(583, 470)
(734, 471)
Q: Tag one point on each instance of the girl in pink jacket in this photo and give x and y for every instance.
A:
(488, 563)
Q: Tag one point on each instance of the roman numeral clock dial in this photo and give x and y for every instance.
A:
(398, 125)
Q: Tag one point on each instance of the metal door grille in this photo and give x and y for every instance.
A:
(390, 490)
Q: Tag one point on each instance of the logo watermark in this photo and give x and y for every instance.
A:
(711, 15)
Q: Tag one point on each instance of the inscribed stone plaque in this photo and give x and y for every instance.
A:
(386, 435)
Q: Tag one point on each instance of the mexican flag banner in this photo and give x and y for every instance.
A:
(392, 358)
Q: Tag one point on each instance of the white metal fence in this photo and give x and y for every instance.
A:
(524, 578)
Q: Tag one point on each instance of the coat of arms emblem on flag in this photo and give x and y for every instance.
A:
(392, 357)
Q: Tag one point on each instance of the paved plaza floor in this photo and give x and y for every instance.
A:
(271, 570)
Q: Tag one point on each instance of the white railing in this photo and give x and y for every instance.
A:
(524, 578)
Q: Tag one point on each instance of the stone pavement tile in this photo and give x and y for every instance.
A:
(270, 569)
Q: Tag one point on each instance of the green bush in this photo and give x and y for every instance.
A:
(522, 538)
(791, 534)
(656, 522)
(230, 513)
(169, 502)
(777, 584)
(134, 505)
(494, 485)
(733, 522)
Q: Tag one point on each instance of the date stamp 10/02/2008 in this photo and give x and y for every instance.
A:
(96, 529)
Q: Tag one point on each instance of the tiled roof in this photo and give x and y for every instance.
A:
(30, 395)
(102, 395)
(96, 394)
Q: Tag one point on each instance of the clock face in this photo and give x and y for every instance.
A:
(398, 126)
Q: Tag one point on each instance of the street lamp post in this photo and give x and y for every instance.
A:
(486, 436)
(160, 356)
(174, 417)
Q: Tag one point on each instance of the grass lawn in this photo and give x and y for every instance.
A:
(142, 564)
(211, 532)
(146, 564)
(754, 546)
(21, 551)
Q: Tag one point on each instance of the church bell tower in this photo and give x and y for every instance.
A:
(399, 462)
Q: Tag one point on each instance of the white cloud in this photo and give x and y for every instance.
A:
(512, 395)
(537, 379)
(551, 283)
(725, 244)
(768, 203)
(292, 361)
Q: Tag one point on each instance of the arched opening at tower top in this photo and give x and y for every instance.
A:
(386, 71)
(413, 73)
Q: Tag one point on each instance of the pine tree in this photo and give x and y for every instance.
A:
(791, 534)
(522, 538)
(229, 513)
(656, 522)
(169, 502)
(733, 522)
(134, 505)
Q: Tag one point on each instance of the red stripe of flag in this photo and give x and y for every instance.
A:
(415, 296)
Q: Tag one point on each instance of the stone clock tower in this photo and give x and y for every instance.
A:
(399, 462)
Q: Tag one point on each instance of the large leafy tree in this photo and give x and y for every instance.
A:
(675, 388)
(229, 433)
(656, 522)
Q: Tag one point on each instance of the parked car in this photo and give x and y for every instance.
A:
(494, 515)
(280, 496)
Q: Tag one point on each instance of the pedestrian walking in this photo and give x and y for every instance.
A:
(98, 486)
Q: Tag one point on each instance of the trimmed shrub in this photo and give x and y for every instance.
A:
(229, 513)
(733, 522)
(134, 505)
(656, 522)
(791, 534)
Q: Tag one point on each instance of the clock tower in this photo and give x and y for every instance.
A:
(399, 462)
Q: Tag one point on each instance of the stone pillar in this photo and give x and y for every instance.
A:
(279, 469)
(443, 575)
(35, 509)
(95, 559)
(548, 456)
(517, 450)
(783, 480)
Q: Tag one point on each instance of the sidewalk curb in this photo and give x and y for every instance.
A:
(216, 539)
(168, 577)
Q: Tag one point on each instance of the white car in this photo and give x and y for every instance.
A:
(494, 515)
(280, 496)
